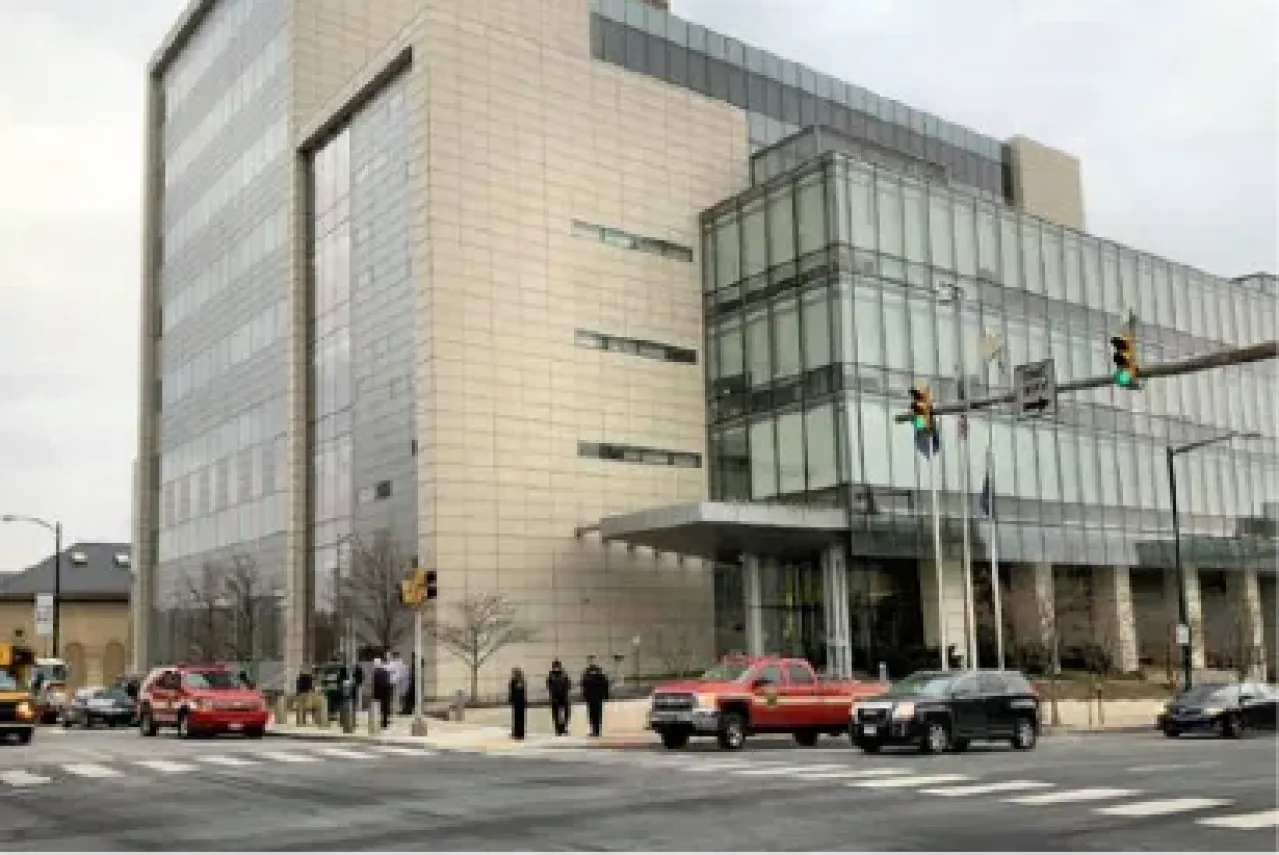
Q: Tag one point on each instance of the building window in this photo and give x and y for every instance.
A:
(626, 240)
(639, 454)
(635, 347)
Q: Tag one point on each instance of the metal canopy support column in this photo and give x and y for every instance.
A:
(839, 654)
(752, 571)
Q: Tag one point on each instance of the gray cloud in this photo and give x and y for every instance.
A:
(1170, 104)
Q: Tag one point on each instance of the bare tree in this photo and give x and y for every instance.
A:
(245, 594)
(201, 601)
(1028, 613)
(486, 624)
(371, 591)
(677, 650)
(1243, 655)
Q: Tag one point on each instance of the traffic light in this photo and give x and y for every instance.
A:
(432, 589)
(413, 589)
(1126, 371)
(921, 409)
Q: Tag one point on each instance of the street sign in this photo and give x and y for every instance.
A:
(1035, 388)
(44, 614)
(1183, 635)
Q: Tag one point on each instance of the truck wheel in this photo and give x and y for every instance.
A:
(1024, 737)
(959, 746)
(732, 731)
(184, 727)
(806, 738)
(869, 746)
(674, 739)
(24, 736)
(146, 724)
(936, 739)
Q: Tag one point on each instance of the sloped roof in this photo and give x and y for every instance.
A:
(101, 576)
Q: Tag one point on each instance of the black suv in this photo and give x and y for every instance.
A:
(946, 710)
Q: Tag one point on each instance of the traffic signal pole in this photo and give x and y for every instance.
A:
(943, 631)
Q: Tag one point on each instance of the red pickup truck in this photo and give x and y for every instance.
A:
(741, 696)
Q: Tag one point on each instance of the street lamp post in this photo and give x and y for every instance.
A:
(56, 529)
(1183, 605)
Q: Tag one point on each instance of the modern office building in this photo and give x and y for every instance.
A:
(585, 305)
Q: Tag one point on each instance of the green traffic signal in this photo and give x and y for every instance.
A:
(921, 423)
(1123, 378)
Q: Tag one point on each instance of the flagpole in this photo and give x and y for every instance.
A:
(970, 617)
(994, 360)
(942, 629)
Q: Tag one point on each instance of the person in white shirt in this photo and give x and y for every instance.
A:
(399, 678)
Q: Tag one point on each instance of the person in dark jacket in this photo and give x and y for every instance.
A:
(517, 696)
(383, 691)
(594, 693)
(559, 686)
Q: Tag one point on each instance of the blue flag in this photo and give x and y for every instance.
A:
(986, 502)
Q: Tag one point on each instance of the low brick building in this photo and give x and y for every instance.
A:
(94, 630)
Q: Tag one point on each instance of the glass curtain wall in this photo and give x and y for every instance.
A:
(830, 291)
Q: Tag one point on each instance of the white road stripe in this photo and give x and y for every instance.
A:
(987, 789)
(1243, 821)
(90, 770)
(227, 760)
(1161, 807)
(777, 770)
(22, 778)
(344, 753)
(846, 773)
(909, 781)
(1061, 797)
(165, 766)
(283, 757)
(403, 750)
(712, 766)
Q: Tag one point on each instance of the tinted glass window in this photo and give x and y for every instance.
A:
(677, 64)
(799, 675)
(771, 674)
(614, 38)
(210, 680)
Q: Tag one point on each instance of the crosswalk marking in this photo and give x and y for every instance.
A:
(909, 781)
(776, 770)
(167, 766)
(226, 760)
(1243, 821)
(91, 770)
(986, 789)
(1160, 807)
(344, 753)
(713, 766)
(402, 750)
(1059, 797)
(283, 757)
(833, 775)
(22, 778)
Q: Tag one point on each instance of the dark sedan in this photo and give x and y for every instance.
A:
(1230, 710)
(88, 707)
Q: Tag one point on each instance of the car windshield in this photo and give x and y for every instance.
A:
(1208, 694)
(923, 684)
(115, 694)
(725, 673)
(215, 680)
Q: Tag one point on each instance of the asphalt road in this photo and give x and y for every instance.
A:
(114, 790)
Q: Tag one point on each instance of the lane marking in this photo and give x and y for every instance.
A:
(711, 766)
(986, 789)
(848, 773)
(344, 753)
(1244, 821)
(1161, 807)
(777, 770)
(1170, 767)
(22, 778)
(283, 757)
(910, 781)
(227, 760)
(403, 751)
(90, 770)
(1061, 797)
(166, 765)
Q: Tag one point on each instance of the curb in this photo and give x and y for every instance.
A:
(1100, 731)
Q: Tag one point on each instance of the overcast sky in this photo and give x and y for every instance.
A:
(1170, 105)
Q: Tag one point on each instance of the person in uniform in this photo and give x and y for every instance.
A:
(517, 696)
(559, 687)
(594, 693)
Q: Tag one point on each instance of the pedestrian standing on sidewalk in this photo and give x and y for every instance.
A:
(594, 693)
(383, 690)
(559, 686)
(517, 696)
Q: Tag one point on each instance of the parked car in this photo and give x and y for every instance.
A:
(939, 711)
(1230, 710)
(744, 695)
(200, 699)
(96, 705)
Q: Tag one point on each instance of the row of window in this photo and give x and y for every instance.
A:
(660, 24)
(639, 454)
(239, 93)
(246, 428)
(239, 477)
(234, 526)
(223, 25)
(626, 240)
(253, 162)
(251, 338)
(185, 299)
(635, 347)
(756, 92)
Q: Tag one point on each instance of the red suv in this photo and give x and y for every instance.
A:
(199, 699)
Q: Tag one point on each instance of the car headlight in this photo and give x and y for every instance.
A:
(904, 711)
(24, 710)
(704, 703)
(1212, 711)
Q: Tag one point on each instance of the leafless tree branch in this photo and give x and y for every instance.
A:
(370, 591)
(485, 624)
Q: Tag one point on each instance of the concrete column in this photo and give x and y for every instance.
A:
(1194, 613)
(1032, 608)
(752, 570)
(1248, 643)
(839, 654)
(1116, 623)
(952, 593)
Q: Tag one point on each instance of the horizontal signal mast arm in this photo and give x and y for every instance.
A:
(1204, 362)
